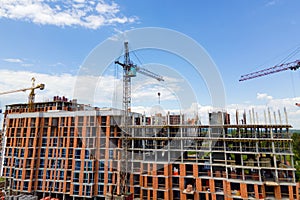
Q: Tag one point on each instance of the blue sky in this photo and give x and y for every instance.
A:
(51, 40)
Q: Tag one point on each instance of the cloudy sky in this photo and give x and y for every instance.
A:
(52, 40)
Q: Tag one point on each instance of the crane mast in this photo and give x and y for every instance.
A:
(129, 71)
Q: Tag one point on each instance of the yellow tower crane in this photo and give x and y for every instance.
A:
(31, 96)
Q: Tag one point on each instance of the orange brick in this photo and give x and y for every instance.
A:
(277, 192)
(243, 188)
(167, 194)
(154, 194)
(212, 185)
(182, 170)
(198, 184)
(131, 183)
(181, 187)
(149, 195)
(155, 182)
(297, 189)
(166, 170)
(256, 191)
(195, 170)
(167, 182)
(291, 192)
(207, 196)
(263, 191)
(154, 169)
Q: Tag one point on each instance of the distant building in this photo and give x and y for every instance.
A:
(72, 151)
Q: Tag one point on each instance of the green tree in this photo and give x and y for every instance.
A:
(296, 150)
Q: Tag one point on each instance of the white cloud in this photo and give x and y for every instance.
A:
(13, 60)
(79, 1)
(55, 85)
(263, 96)
(57, 64)
(65, 13)
(271, 3)
(144, 98)
(102, 7)
(27, 64)
(275, 106)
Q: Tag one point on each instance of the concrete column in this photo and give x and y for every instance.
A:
(167, 196)
(181, 187)
(212, 189)
(141, 194)
(149, 196)
(297, 189)
(277, 192)
(263, 191)
(207, 196)
(131, 183)
(228, 191)
(198, 184)
(291, 196)
(154, 194)
(244, 193)
(256, 191)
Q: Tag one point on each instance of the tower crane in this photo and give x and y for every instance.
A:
(295, 65)
(129, 71)
(277, 68)
(31, 96)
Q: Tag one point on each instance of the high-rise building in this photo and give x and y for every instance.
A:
(72, 151)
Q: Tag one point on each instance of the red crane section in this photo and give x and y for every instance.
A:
(277, 68)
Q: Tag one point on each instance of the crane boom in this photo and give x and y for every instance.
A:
(277, 68)
(31, 96)
(24, 89)
(129, 71)
(146, 72)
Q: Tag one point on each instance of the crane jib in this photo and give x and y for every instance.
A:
(295, 65)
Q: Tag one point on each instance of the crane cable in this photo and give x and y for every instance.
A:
(293, 84)
(292, 54)
(137, 58)
(116, 77)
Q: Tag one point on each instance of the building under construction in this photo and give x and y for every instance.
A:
(71, 151)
